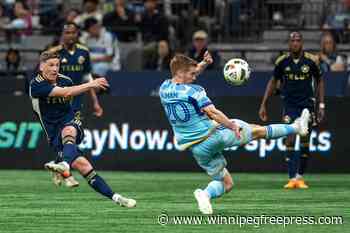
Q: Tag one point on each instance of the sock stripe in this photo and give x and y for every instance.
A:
(269, 131)
(90, 175)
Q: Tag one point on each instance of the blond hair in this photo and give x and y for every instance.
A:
(181, 62)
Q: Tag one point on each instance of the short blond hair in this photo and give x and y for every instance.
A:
(181, 62)
(47, 55)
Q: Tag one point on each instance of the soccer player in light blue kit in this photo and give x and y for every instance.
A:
(206, 131)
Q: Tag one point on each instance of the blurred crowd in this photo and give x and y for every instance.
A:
(164, 27)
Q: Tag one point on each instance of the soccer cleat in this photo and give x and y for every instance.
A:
(57, 179)
(292, 184)
(123, 201)
(70, 182)
(62, 168)
(302, 123)
(301, 184)
(203, 201)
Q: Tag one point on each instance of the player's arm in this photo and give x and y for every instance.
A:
(79, 89)
(218, 116)
(98, 110)
(271, 88)
(320, 92)
(207, 60)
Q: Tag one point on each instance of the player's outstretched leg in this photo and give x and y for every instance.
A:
(299, 126)
(98, 184)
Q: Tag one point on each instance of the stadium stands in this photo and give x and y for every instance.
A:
(258, 33)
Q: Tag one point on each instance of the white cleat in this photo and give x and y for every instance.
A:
(123, 201)
(203, 202)
(302, 123)
(61, 168)
(58, 179)
(70, 182)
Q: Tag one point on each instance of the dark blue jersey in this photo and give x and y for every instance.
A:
(53, 112)
(76, 65)
(297, 79)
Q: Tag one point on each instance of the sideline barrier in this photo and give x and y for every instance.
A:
(134, 135)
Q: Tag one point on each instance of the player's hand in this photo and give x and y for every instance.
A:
(100, 83)
(263, 113)
(320, 115)
(98, 110)
(207, 58)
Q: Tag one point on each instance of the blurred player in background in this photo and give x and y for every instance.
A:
(51, 94)
(301, 84)
(206, 131)
(75, 63)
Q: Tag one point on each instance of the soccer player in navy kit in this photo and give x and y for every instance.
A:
(51, 94)
(301, 86)
(75, 63)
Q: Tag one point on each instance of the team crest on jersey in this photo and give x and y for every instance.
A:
(64, 60)
(305, 68)
(287, 69)
(81, 60)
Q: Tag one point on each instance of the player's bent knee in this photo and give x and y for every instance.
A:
(228, 185)
(228, 182)
(82, 165)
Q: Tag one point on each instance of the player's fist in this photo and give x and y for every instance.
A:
(100, 83)
(207, 58)
(263, 113)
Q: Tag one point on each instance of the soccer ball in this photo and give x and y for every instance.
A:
(236, 71)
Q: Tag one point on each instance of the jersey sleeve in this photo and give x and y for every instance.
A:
(200, 96)
(40, 89)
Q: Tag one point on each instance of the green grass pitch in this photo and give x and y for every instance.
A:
(29, 202)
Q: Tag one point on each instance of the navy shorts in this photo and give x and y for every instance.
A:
(55, 135)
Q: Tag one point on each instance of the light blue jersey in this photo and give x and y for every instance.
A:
(183, 104)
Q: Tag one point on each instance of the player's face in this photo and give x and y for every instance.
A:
(70, 35)
(50, 69)
(295, 45)
(189, 75)
(328, 44)
(199, 43)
